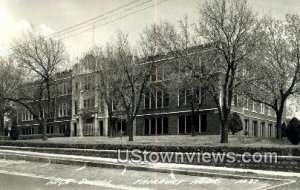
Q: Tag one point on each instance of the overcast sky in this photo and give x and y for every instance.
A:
(49, 16)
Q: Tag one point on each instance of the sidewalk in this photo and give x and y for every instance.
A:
(195, 170)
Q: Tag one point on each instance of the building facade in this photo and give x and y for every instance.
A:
(80, 111)
(60, 115)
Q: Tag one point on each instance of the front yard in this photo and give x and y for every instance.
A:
(173, 140)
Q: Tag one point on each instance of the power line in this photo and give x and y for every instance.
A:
(94, 20)
(105, 18)
(118, 18)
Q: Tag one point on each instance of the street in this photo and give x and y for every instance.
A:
(35, 175)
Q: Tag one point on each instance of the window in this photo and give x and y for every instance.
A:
(159, 72)
(262, 108)
(152, 100)
(75, 106)
(255, 128)
(28, 131)
(181, 97)
(50, 129)
(62, 129)
(121, 126)
(63, 109)
(253, 106)
(76, 86)
(269, 111)
(246, 104)
(203, 123)
(235, 100)
(26, 115)
(185, 124)
(165, 125)
(153, 126)
(181, 124)
(147, 100)
(156, 126)
(153, 74)
(270, 130)
(247, 125)
(166, 99)
(262, 129)
(89, 103)
(147, 127)
(159, 99)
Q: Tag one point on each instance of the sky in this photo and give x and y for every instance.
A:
(50, 16)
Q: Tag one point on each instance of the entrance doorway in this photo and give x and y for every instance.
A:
(101, 127)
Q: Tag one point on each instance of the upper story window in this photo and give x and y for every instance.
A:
(26, 115)
(89, 103)
(156, 99)
(185, 96)
(157, 73)
(64, 109)
(246, 104)
(253, 106)
(262, 108)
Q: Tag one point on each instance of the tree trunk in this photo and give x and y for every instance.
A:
(1, 123)
(44, 133)
(112, 126)
(130, 129)
(224, 126)
(278, 124)
(224, 131)
(193, 127)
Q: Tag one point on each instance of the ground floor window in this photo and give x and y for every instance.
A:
(50, 129)
(262, 129)
(255, 129)
(121, 127)
(28, 131)
(62, 129)
(156, 126)
(270, 130)
(246, 127)
(185, 124)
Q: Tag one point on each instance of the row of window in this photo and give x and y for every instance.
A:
(185, 124)
(262, 130)
(160, 125)
(89, 103)
(50, 130)
(28, 131)
(253, 106)
(26, 115)
(156, 126)
(156, 99)
(64, 109)
(64, 89)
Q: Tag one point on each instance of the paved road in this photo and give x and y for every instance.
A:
(33, 175)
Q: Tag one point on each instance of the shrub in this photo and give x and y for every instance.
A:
(14, 132)
(235, 123)
(293, 131)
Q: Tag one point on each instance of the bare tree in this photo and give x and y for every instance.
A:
(106, 82)
(277, 76)
(10, 78)
(131, 75)
(43, 58)
(187, 72)
(233, 30)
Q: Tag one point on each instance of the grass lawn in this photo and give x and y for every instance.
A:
(186, 140)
